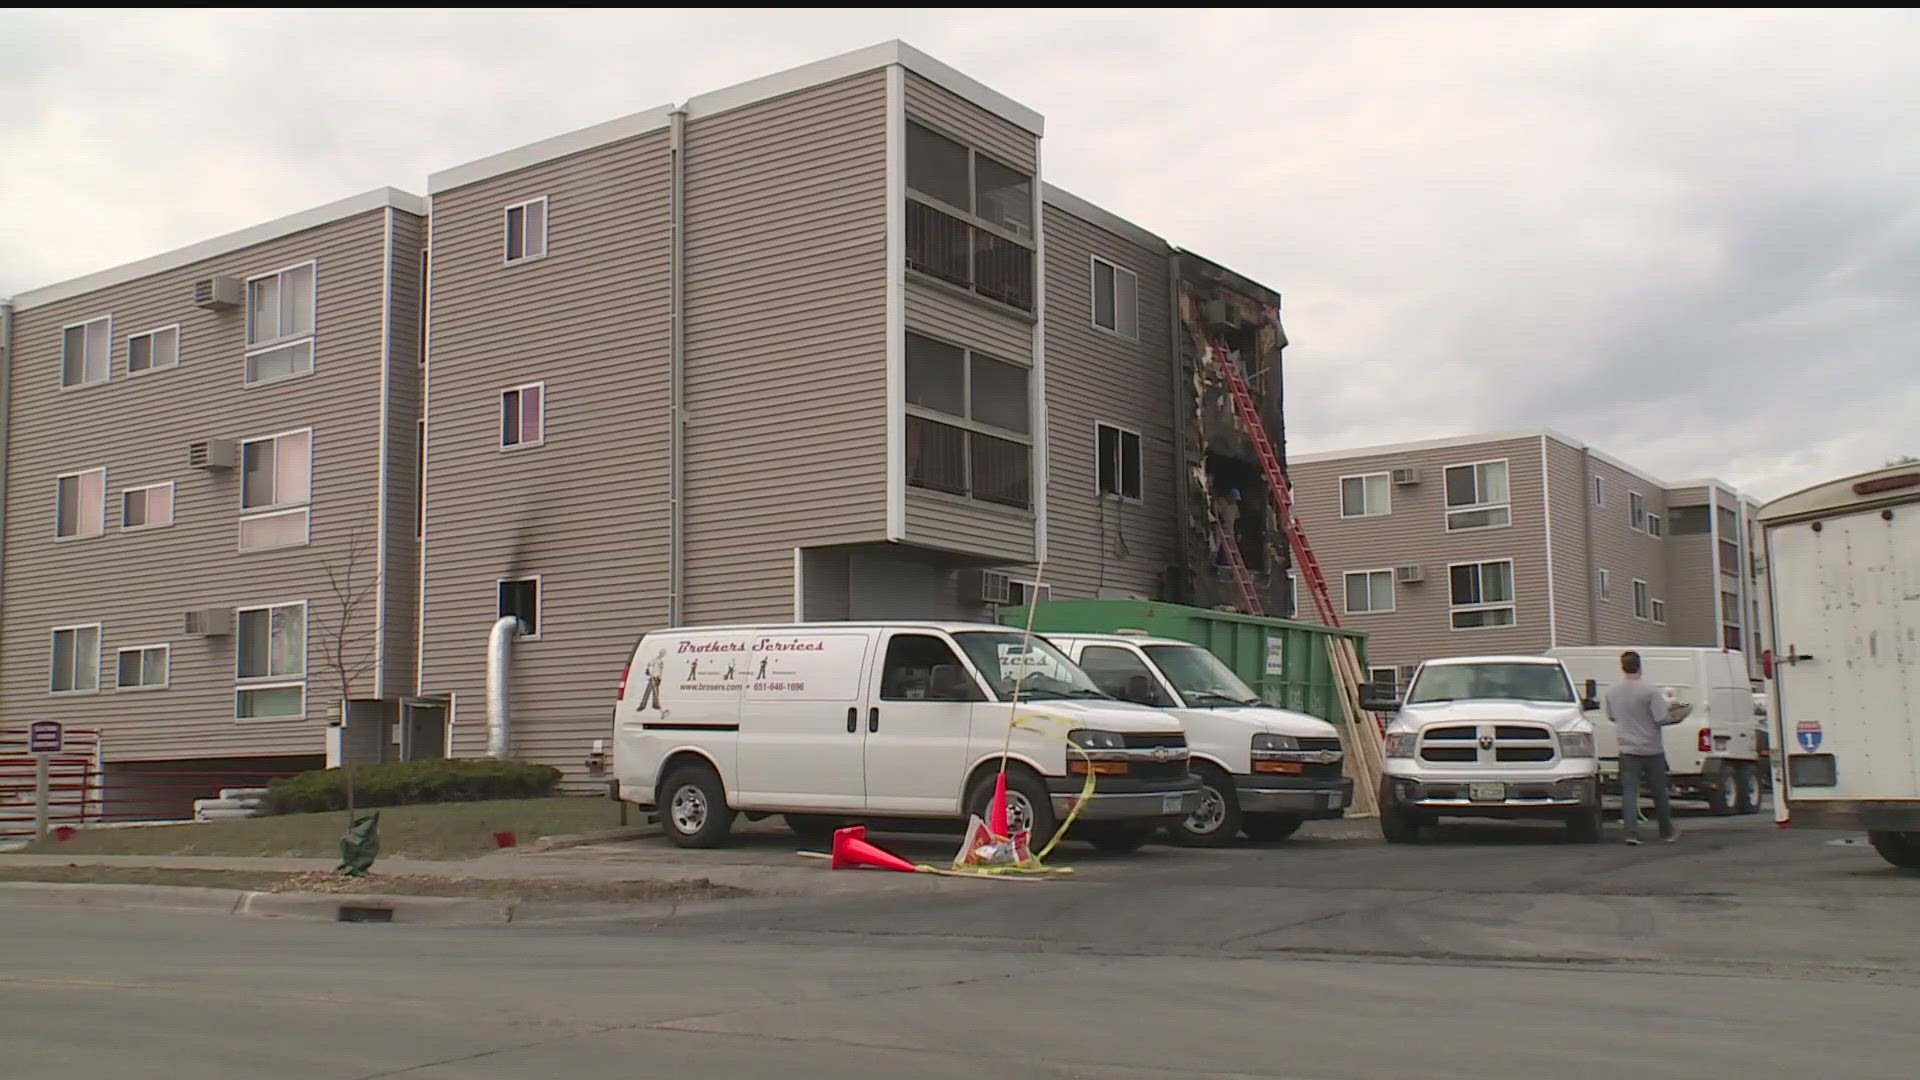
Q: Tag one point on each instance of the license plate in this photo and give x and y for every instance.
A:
(1333, 800)
(1487, 792)
(1170, 804)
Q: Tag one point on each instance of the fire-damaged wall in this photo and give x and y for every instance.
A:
(1225, 499)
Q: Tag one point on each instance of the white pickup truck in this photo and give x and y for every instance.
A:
(1843, 583)
(1488, 737)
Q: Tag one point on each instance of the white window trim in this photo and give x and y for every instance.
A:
(124, 492)
(539, 604)
(1293, 595)
(523, 444)
(102, 470)
(1393, 675)
(546, 231)
(1340, 491)
(1393, 590)
(306, 513)
(1447, 512)
(166, 676)
(61, 375)
(1599, 490)
(272, 682)
(1632, 496)
(179, 335)
(1513, 604)
(273, 508)
(1093, 298)
(99, 648)
(1656, 527)
(255, 348)
(1119, 448)
(1606, 584)
(969, 214)
(1637, 586)
(1657, 610)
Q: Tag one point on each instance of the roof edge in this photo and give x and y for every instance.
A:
(1505, 436)
(549, 149)
(353, 206)
(1067, 202)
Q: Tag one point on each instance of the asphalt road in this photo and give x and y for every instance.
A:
(1493, 953)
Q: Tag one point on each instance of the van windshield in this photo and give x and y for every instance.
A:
(1040, 670)
(1202, 680)
(1497, 682)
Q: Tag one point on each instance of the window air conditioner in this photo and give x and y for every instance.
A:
(213, 454)
(986, 587)
(209, 622)
(1406, 477)
(1409, 574)
(216, 293)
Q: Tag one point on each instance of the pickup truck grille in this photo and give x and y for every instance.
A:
(1489, 745)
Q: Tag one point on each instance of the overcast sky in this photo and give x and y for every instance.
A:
(1689, 239)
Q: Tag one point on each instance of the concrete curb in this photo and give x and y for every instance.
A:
(604, 836)
(347, 907)
(168, 897)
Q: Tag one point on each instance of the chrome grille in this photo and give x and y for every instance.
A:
(1487, 745)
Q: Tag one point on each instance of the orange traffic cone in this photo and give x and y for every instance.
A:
(850, 849)
(997, 810)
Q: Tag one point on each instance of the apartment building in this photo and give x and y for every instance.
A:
(199, 446)
(824, 345)
(1520, 542)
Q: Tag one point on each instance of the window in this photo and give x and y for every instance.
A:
(968, 180)
(1636, 511)
(1642, 600)
(968, 423)
(155, 350)
(1481, 594)
(1599, 491)
(276, 475)
(1477, 496)
(1369, 592)
(1291, 608)
(1387, 676)
(924, 668)
(523, 416)
(280, 312)
(80, 505)
(519, 598)
(527, 230)
(1659, 608)
(419, 479)
(1119, 465)
(76, 660)
(988, 249)
(270, 662)
(1688, 521)
(1757, 650)
(1653, 526)
(144, 667)
(1122, 674)
(149, 507)
(1606, 584)
(86, 352)
(1366, 496)
(1730, 637)
(1116, 299)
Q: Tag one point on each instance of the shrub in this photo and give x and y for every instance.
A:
(401, 783)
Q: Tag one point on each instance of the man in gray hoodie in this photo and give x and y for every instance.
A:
(1639, 711)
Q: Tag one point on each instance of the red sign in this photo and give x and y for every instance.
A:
(45, 737)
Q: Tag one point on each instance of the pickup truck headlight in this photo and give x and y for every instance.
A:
(1269, 743)
(1400, 744)
(1088, 739)
(1576, 744)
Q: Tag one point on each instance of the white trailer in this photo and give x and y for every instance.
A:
(1843, 584)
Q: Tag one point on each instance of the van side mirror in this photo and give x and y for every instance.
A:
(1379, 697)
(1592, 699)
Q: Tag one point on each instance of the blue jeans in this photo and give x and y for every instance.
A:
(1654, 767)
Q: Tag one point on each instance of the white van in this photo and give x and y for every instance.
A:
(829, 723)
(1714, 754)
(1263, 771)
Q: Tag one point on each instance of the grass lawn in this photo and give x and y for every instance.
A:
(440, 831)
(403, 885)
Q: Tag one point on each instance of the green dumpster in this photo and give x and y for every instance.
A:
(1285, 662)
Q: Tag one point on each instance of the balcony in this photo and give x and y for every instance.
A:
(971, 464)
(968, 256)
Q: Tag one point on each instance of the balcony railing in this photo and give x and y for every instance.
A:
(943, 246)
(941, 457)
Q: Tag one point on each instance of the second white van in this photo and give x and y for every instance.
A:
(833, 723)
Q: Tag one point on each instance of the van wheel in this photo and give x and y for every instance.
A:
(1271, 827)
(1720, 794)
(813, 826)
(1746, 787)
(1118, 839)
(692, 805)
(1028, 805)
(1217, 820)
(1902, 849)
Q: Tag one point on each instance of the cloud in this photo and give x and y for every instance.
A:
(1691, 238)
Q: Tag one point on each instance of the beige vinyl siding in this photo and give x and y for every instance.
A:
(138, 585)
(1415, 533)
(1570, 506)
(401, 570)
(587, 511)
(1095, 375)
(950, 523)
(951, 315)
(786, 393)
(1628, 555)
(1007, 141)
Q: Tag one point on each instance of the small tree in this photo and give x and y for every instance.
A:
(346, 653)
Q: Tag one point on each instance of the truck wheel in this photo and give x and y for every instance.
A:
(1028, 804)
(1218, 820)
(1271, 827)
(1746, 786)
(1584, 825)
(1720, 793)
(692, 804)
(1398, 825)
(1902, 849)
